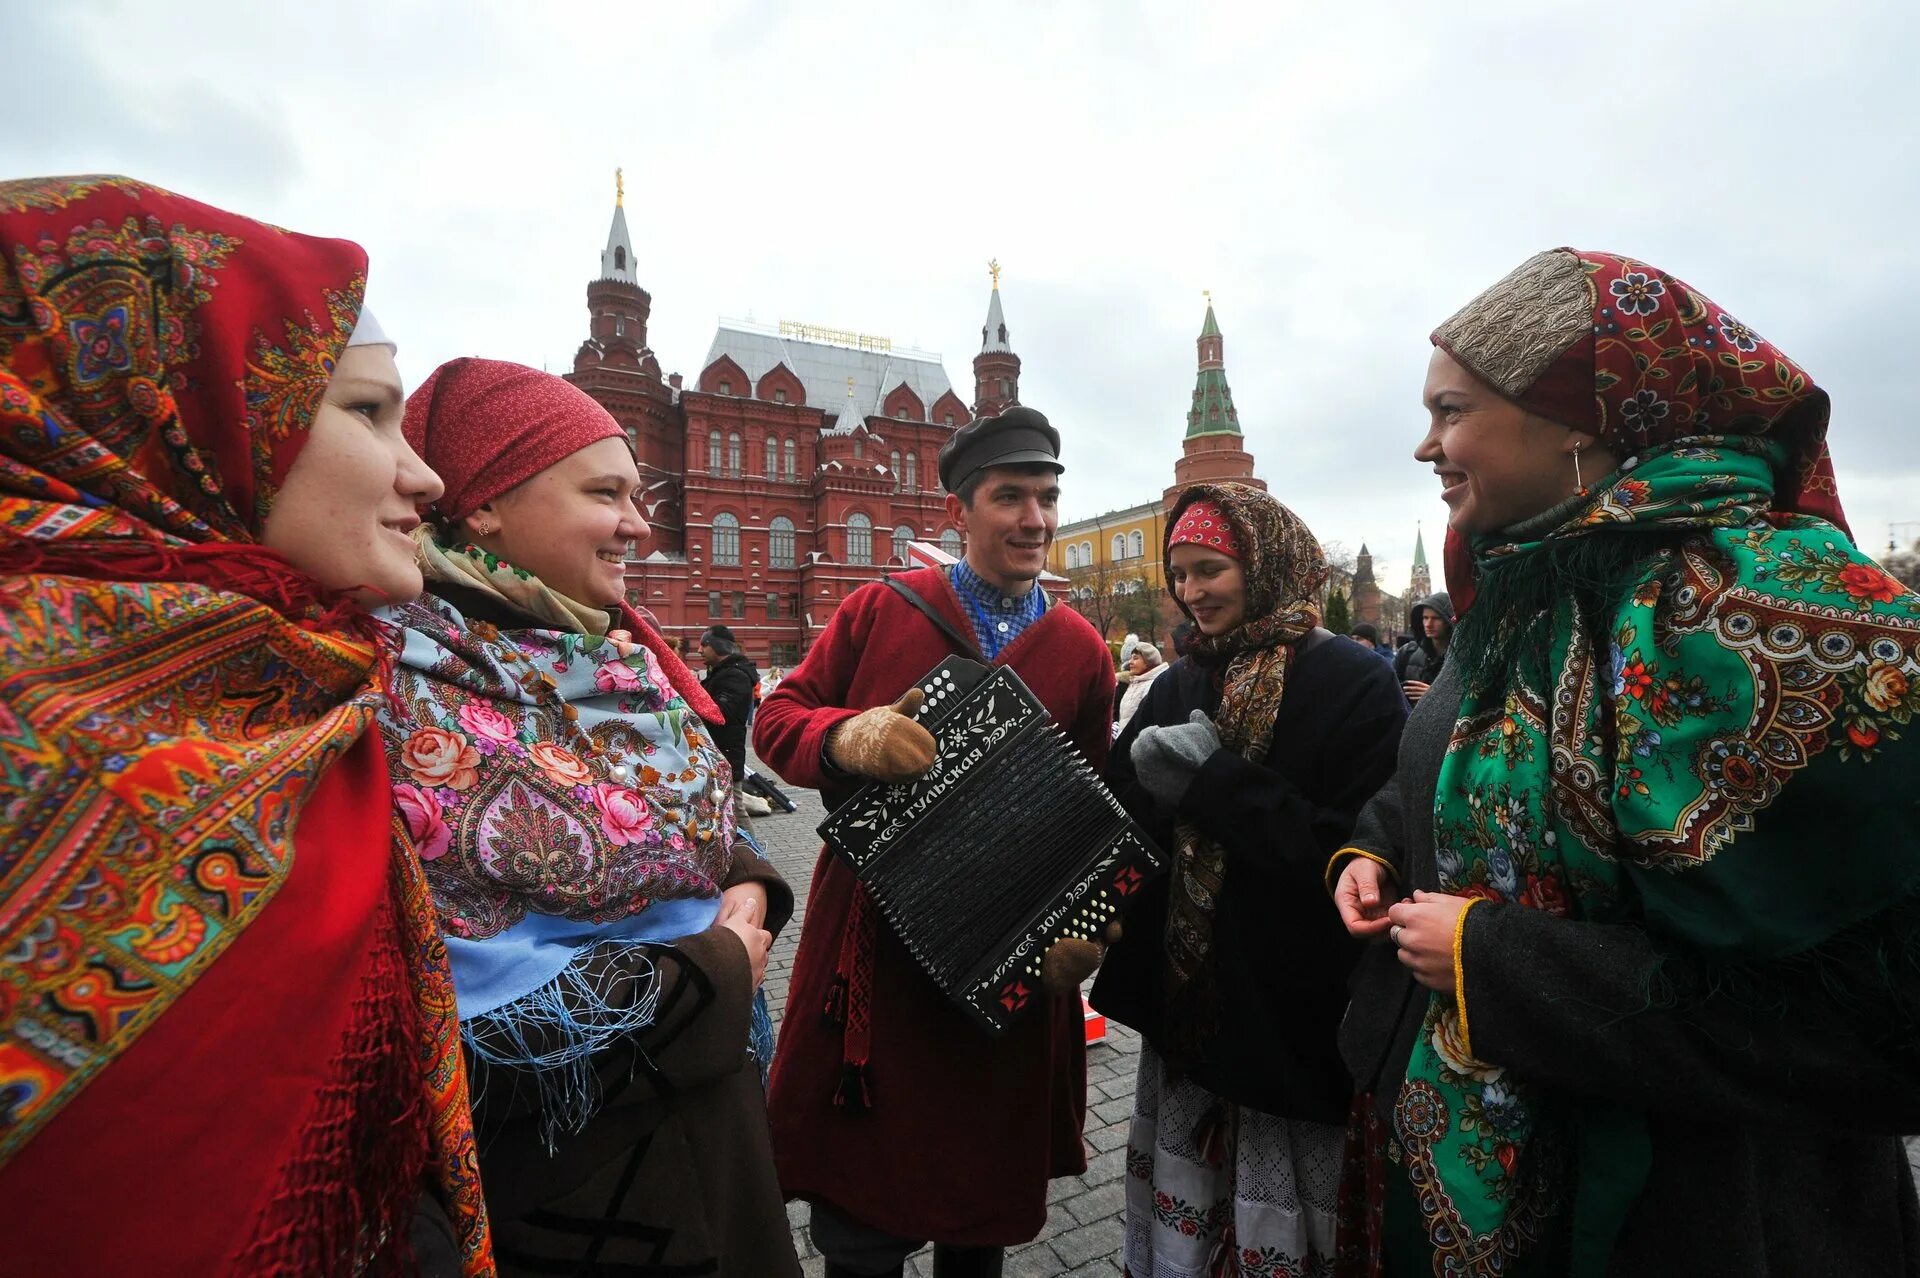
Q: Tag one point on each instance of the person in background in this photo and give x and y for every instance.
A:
(221, 964)
(607, 918)
(1144, 666)
(731, 681)
(896, 1117)
(1643, 895)
(1421, 659)
(734, 685)
(1247, 762)
(1367, 637)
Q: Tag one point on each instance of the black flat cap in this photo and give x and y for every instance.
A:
(1017, 437)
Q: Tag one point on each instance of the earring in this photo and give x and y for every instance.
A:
(486, 530)
(1579, 484)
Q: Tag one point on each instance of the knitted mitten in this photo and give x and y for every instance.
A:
(883, 743)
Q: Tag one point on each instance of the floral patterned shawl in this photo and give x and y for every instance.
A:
(537, 848)
(1284, 569)
(175, 703)
(1665, 690)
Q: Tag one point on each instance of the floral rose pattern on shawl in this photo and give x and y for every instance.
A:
(483, 748)
(1758, 669)
(1650, 750)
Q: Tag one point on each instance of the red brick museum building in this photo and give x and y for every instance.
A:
(800, 464)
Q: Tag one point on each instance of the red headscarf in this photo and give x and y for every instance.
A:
(486, 425)
(178, 704)
(1202, 523)
(1604, 343)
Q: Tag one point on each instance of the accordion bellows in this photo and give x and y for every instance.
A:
(1009, 843)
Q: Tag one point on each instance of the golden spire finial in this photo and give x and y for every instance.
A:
(993, 269)
(1208, 294)
(619, 188)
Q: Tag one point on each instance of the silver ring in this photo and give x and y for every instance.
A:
(1393, 933)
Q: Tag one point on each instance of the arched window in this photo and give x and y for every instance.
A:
(619, 257)
(1136, 545)
(780, 396)
(773, 456)
(726, 540)
(619, 326)
(859, 539)
(713, 451)
(1086, 554)
(893, 464)
(950, 542)
(733, 453)
(901, 536)
(913, 473)
(859, 448)
(786, 454)
(1119, 548)
(780, 542)
(726, 388)
(1073, 556)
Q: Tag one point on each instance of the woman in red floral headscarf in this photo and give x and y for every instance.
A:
(1644, 895)
(227, 1041)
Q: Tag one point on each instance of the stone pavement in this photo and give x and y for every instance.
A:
(1082, 1234)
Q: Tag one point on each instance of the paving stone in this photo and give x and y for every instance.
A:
(1096, 1241)
(1107, 1201)
(1108, 1137)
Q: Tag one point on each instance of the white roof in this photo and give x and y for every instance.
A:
(823, 369)
(990, 339)
(617, 237)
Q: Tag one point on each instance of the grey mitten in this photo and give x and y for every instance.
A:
(1166, 759)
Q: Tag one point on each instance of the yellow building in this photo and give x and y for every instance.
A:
(1112, 565)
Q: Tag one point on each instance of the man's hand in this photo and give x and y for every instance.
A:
(737, 918)
(1422, 930)
(1362, 896)
(884, 743)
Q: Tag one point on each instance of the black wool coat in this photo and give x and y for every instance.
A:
(1280, 957)
(731, 684)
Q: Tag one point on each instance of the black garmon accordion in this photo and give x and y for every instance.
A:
(1008, 844)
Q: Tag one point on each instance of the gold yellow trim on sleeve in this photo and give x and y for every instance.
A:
(1460, 973)
(1334, 860)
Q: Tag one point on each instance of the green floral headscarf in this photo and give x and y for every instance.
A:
(1667, 693)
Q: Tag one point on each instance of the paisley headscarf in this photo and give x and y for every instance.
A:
(1668, 683)
(175, 702)
(1284, 569)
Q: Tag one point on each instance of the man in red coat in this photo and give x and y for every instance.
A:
(893, 1114)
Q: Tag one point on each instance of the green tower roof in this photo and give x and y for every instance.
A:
(1213, 412)
(1419, 549)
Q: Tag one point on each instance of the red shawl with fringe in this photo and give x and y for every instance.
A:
(227, 1041)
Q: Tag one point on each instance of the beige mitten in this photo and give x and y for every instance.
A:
(884, 743)
(1070, 960)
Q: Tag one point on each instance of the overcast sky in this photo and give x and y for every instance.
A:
(1342, 178)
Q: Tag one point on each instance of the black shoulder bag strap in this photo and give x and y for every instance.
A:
(965, 643)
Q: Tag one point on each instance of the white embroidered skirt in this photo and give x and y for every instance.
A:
(1258, 1202)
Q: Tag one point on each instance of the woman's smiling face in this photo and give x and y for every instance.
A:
(572, 525)
(1498, 464)
(1211, 585)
